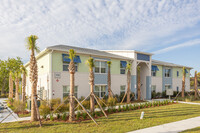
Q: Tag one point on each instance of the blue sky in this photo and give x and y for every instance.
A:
(168, 28)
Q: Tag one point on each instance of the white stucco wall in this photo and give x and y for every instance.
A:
(158, 82)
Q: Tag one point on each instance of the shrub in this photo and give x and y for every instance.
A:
(127, 107)
(44, 110)
(135, 106)
(150, 104)
(64, 117)
(51, 117)
(78, 115)
(146, 105)
(119, 108)
(54, 102)
(93, 114)
(58, 116)
(19, 106)
(101, 103)
(111, 101)
(124, 108)
(131, 107)
(61, 107)
(141, 106)
(84, 115)
(98, 113)
(10, 102)
(109, 110)
(114, 110)
(86, 104)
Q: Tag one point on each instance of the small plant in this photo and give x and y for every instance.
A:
(119, 108)
(124, 108)
(146, 105)
(114, 110)
(109, 110)
(44, 110)
(111, 101)
(131, 107)
(98, 113)
(44, 117)
(64, 117)
(51, 117)
(150, 104)
(58, 116)
(84, 115)
(93, 114)
(127, 107)
(141, 106)
(78, 115)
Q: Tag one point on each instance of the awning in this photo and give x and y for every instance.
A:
(186, 71)
(154, 68)
(66, 58)
(123, 63)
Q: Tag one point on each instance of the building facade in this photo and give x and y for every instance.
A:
(54, 77)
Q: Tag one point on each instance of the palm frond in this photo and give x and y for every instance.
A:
(31, 43)
(72, 54)
(109, 63)
(90, 62)
(129, 65)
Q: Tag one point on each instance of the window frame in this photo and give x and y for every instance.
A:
(122, 69)
(170, 87)
(152, 88)
(75, 91)
(100, 93)
(67, 64)
(100, 67)
(122, 92)
(153, 73)
(177, 73)
(167, 75)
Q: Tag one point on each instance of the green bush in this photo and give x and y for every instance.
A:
(114, 110)
(127, 107)
(10, 102)
(78, 115)
(84, 115)
(111, 101)
(44, 110)
(124, 108)
(58, 116)
(98, 113)
(64, 117)
(86, 104)
(141, 106)
(51, 117)
(119, 108)
(102, 101)
(54, 102)
(146, 105)
(131, 107)
(19, 106)
(93, 114)
(61, 107)
(109, 110)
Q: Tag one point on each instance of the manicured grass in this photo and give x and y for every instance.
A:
(196, 101)
(118, 122)
(194, 130)
(24, 115)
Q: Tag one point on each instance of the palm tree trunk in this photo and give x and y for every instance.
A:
(34, 80)
(23, 87)
(138, 84)
(17, 89)
(183, 86)
(91, 90)
(128, 83)
(10, 87)
(71, 101)
(195, 84)
(109, 84)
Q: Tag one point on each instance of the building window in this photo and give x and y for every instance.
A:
(66, 65)
(122, 69)
(167, 87)
(153, 88)
(177, 89)
(177, 73)
(100, 90)
(153, 73)
(122, 89)
(100, 67)
(66, 91)
(167, 72)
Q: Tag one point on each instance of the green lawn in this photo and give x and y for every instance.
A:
(24, 115)
(118, 122)
(196, 101)
(194, 130)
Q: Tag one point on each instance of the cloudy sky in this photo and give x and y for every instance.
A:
(168, 28)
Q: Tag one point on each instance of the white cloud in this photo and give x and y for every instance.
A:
(124, 24)
(185, 44)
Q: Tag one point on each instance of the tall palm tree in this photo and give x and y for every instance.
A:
(128, 67)
(24, 73)
(195, 84)
(10, 85)
(109, 80)
(17, 77)
(72, 72)
(31, 46)
(183, 82)
(91, 65)
(138, 83)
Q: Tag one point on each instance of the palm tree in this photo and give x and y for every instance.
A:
(195, 84)
(138, 83)
(72, 72)
(183, 82)
(91, 65)
(109, 80)
(10, 85)
(31, 46)
(17, 77)
(128, 67)
(24, 73)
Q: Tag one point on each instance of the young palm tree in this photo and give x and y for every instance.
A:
(183, 82)
(72, 72)
(195, 84)
(128, 67)
(10, 85)
(24, 73)
(31, 46)
(138, 83)
(17, 77)
(91, 65)
(109, 80)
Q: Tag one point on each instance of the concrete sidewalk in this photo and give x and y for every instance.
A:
(189, 103)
